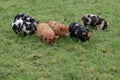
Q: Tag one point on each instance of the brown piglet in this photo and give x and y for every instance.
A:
(46, 33)
(59, 29)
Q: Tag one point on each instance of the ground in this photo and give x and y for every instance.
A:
(29, 58)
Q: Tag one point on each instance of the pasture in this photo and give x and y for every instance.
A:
(29, 58)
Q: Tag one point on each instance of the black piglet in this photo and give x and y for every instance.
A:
(78, 31)
(24, 24)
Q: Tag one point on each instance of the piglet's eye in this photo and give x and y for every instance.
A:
(45, 39)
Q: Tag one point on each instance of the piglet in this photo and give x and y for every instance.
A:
(46, 33)
(60, 29)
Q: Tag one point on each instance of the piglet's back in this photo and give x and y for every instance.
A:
(59, 29)
(43, 29)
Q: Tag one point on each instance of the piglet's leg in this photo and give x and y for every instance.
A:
(25, 34)
(71, 35)
(78, 40)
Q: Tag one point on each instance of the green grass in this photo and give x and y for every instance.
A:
(31, 59)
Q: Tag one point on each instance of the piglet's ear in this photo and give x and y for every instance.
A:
(89, 34)
(57, 37)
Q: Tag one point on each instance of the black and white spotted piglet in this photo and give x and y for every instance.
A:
(95, 21)
(78, 31)
(24, 24)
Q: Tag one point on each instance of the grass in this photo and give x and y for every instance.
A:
(31, 59)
